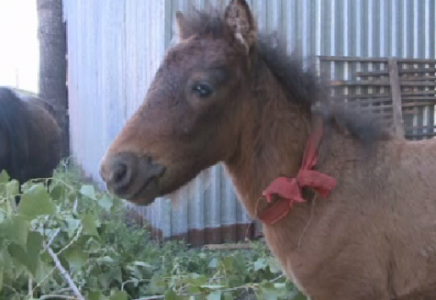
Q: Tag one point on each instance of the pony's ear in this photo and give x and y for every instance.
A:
(240, 19)
(183, 31)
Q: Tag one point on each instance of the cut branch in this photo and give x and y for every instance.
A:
(64, 273)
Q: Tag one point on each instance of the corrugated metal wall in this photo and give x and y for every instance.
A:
(115, 46)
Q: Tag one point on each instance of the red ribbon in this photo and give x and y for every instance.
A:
(289, 190)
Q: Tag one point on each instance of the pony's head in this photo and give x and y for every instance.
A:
(195, 108)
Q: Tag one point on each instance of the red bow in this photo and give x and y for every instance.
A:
(289, 190)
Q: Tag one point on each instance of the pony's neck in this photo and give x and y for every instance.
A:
(273, 147)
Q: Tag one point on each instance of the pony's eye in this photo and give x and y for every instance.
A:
(202, 89)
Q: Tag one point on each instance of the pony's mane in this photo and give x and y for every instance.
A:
(306, 88)
(14, 122)
(302, 84)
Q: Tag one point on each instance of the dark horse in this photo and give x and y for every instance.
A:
(353, 213)
(29, 137)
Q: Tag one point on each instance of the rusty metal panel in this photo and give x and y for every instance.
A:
(115, 47)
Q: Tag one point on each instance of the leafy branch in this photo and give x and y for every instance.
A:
(71, 241)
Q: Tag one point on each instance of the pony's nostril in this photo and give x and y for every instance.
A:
(119, 173)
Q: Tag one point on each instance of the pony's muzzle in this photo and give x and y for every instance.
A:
(129, 176)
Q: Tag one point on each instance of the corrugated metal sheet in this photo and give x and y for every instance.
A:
(115, 46)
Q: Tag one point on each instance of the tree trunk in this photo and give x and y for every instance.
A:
(53, 63)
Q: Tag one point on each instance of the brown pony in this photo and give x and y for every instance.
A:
(226, 94)
(29, 136)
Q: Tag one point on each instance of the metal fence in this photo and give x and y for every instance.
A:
(115, 46)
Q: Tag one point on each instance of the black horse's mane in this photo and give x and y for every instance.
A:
(301, 83)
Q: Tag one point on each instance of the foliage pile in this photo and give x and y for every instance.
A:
(69, 241)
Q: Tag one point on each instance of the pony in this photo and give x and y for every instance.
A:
(30, 137)
(348, 209)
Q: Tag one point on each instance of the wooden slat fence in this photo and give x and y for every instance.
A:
(402, 92)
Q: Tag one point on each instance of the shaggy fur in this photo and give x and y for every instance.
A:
(222, 94)
(29, 137)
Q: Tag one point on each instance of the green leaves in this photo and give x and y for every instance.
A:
(12, 188)
(4, 177)
(88, 191)
(76, 258)
(1, 279)
(5, 259)
(171, 295)
(16, 230)
(36, 202)
(216, 295)
(107, 259)
(34, 248)
(89, 226)
(6, 210)
(27, 256)
(105, 202)
(57, 191)
(119, 296)
(260, 264)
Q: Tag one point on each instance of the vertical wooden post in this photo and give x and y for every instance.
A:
(396, 97)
